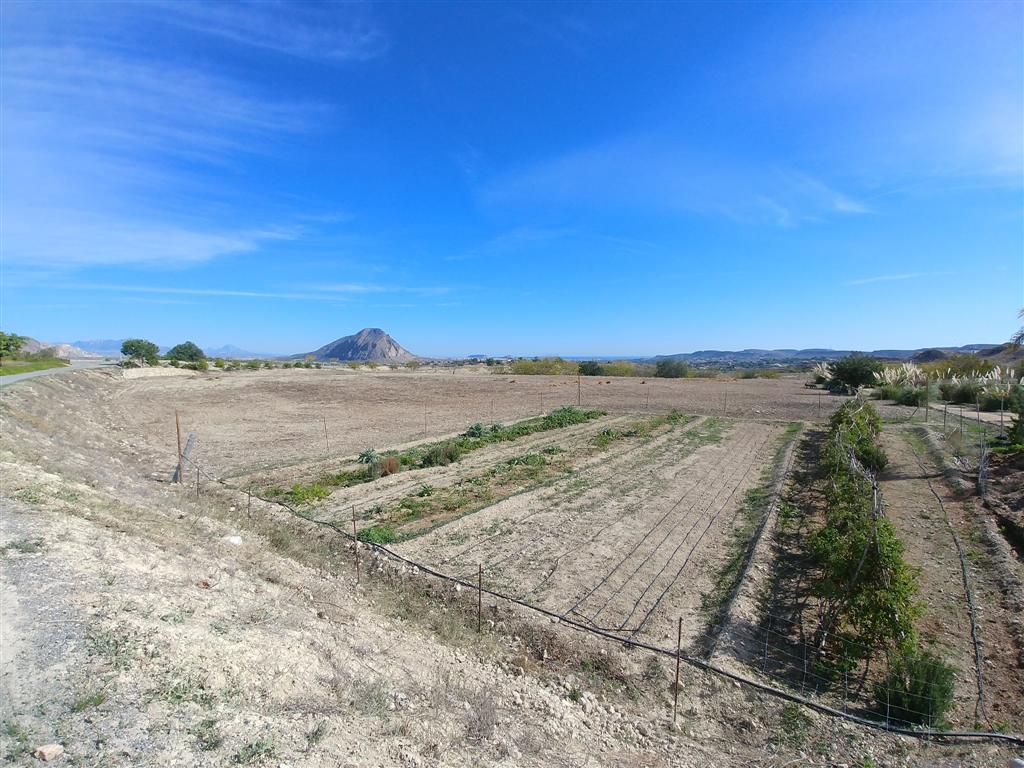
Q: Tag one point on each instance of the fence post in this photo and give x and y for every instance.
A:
(479, 597)
(355, 542)
(819, 403)
(181, 460)
(764, 665)
(945, 409)
(248, 505)
(679, 654)
(197, 482)
(579, 389)
(327, 440)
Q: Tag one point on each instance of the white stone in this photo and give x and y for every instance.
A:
(234, 540)
(49, 752)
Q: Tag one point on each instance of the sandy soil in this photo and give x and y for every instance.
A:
(135, 633)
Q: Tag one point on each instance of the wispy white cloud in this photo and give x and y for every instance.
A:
(328, 31)
(212, 292)
(894, 278)
(666, 175)
(107, 191)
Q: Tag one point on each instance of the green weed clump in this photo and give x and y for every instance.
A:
(379, 534)
(305, 494)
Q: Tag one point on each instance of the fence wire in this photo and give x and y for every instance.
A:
(881, 722)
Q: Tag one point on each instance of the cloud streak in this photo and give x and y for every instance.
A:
(323, 31)
(669, 176)
(895, 278)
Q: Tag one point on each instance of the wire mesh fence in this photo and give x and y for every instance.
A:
(777, 658)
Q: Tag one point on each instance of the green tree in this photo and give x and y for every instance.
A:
(141, 351)
(854, 371)
(186, 352)
(671, 369)
(10, 344)
(1017, 340)
(591, 368)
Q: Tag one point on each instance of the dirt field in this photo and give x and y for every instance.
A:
(144, 624)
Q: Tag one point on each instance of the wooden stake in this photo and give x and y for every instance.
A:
(181, 460)
(647, 405)
(197, 482)
(326, 439)
(355, 542)
(579, 389)
(248, 506)
(675, 688)
(945, 409)
(479, 596)
(819, 403)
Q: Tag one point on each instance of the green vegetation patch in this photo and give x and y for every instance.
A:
(11, 367)
(439, 454)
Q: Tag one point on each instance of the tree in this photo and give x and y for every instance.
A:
(141, 351)
(186, 352)
(591, 368)
(10, 344)
(671, 369)
(1017, 340)
(853, 372)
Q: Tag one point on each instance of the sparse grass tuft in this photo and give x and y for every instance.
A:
(207, 735)
(261, 749)
(23, 546)
(88, 701)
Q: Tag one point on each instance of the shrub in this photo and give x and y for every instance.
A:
(853, 372)
(252, 365)
(917, 689)
(671, 369)
(218, 362)
(199, 365)
(477, 430)
(441, 455)
(368, 456)
(388, 465)
(379, 534)
(591, 368)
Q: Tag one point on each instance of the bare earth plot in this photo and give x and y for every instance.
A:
(145, 625)
(627, 545)
(918, 501)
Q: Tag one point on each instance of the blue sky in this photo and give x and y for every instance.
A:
(513, 178)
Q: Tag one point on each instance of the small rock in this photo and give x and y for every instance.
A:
(49, 752)
(235, 540)
(1015, 762)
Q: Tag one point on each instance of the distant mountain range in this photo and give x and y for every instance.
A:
(66, 351)
(755, 356)
(112, 348)
(370, 344)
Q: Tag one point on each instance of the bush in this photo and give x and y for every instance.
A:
(218, 362)
(441, 455)
(199, 365)
(591, 368)
(853, 372)
(671, 369)
(368, 456)
(477, 430)
(917, 689)
(379, 534)
(388, 465)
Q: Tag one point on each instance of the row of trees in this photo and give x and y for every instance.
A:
(145, 352)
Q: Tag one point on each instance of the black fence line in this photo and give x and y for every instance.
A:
(693, 661)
